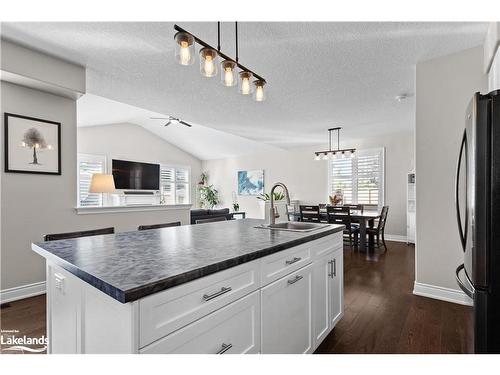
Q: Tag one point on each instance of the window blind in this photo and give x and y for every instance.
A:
(87, 166)
(360, 179)
(174, 184)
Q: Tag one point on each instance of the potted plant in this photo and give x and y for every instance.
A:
(236, 207)
(209, 196)
(279, 203)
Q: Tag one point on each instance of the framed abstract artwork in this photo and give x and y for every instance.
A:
(251, 182)
(32, 145)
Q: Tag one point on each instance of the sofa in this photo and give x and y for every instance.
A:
(208, 214)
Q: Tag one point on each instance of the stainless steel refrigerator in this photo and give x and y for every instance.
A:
(477, 197)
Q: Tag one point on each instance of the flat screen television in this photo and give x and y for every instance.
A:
(131, 175)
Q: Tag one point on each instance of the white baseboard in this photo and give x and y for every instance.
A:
(444, 294)
(395, 237)
(23, 291)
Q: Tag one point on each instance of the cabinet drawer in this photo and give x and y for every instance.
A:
(234, 329)
(165, 312)
(327, 244)
(284, 262)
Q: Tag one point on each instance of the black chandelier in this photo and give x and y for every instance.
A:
(334, 153)
(184, 54)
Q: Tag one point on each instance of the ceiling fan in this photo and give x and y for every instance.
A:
(171, 121)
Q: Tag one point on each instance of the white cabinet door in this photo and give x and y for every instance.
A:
(233, 329)
(336, 287)
(287, 314)
(321, 293)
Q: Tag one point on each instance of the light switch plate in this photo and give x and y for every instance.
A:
(59, 282)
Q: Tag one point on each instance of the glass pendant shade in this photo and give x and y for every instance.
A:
(260, 94)
(316, 157)
(184, 48)
(245, 86)
(208, 62)
(325, 156)
(228, 73)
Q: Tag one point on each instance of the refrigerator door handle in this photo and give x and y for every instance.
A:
(469, 292)
(463, 148)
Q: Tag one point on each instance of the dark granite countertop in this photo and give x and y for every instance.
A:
(130, 265)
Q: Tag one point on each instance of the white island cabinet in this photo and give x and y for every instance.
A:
(286, 302)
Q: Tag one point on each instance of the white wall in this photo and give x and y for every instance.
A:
(444, 87)
(34, 205)
(307, 179)
(133, 142)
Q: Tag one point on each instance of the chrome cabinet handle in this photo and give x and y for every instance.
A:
(208, 297)
(224, 348)
(294, 260)
(334, 267)
(330, 273)
(295, 279)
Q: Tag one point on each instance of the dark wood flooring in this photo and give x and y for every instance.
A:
(23, 317)
(381, 313)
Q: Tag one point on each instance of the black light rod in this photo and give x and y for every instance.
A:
(223, 55)
(336, 151)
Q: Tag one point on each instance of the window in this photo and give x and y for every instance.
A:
(174, 185)
(87, 166)
(361, 178)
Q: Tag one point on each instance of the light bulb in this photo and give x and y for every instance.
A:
(209, 66)
(23, 144)
(316, 157)
(325, 156)
(343, 154)
(259, 91)
(245, 86)
(208, 58)
(185, 54)
(228, 76)
(352, 154)
(184, 48)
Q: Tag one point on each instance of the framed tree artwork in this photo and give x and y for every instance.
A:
(32, 145)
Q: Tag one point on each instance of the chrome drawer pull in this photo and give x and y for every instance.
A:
(294, 260)
(208, 297)
(294, 280)
(224, 348)
(330, 274)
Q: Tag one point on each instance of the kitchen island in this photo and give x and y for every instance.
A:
(225, 287)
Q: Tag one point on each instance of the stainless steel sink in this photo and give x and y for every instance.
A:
(293, 226)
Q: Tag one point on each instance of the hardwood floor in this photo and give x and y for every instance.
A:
(23, 317)
(381, 313)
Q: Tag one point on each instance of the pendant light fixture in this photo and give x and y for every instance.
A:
(260, 94)
(184, 54)
(184, 48)
(228, 73)
(334, 153)
(208, 62)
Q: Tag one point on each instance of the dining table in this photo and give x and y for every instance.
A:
(366, 219)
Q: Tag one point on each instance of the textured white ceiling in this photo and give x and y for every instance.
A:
(319, 74)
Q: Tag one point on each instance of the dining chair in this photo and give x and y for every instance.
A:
(158, 226)
(379, 230)
(309, 213)
(342, 215)
(211, 220)
(84, 233)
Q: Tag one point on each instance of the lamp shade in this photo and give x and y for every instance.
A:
(102, 183)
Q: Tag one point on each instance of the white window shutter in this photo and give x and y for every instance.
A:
(87, 166)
